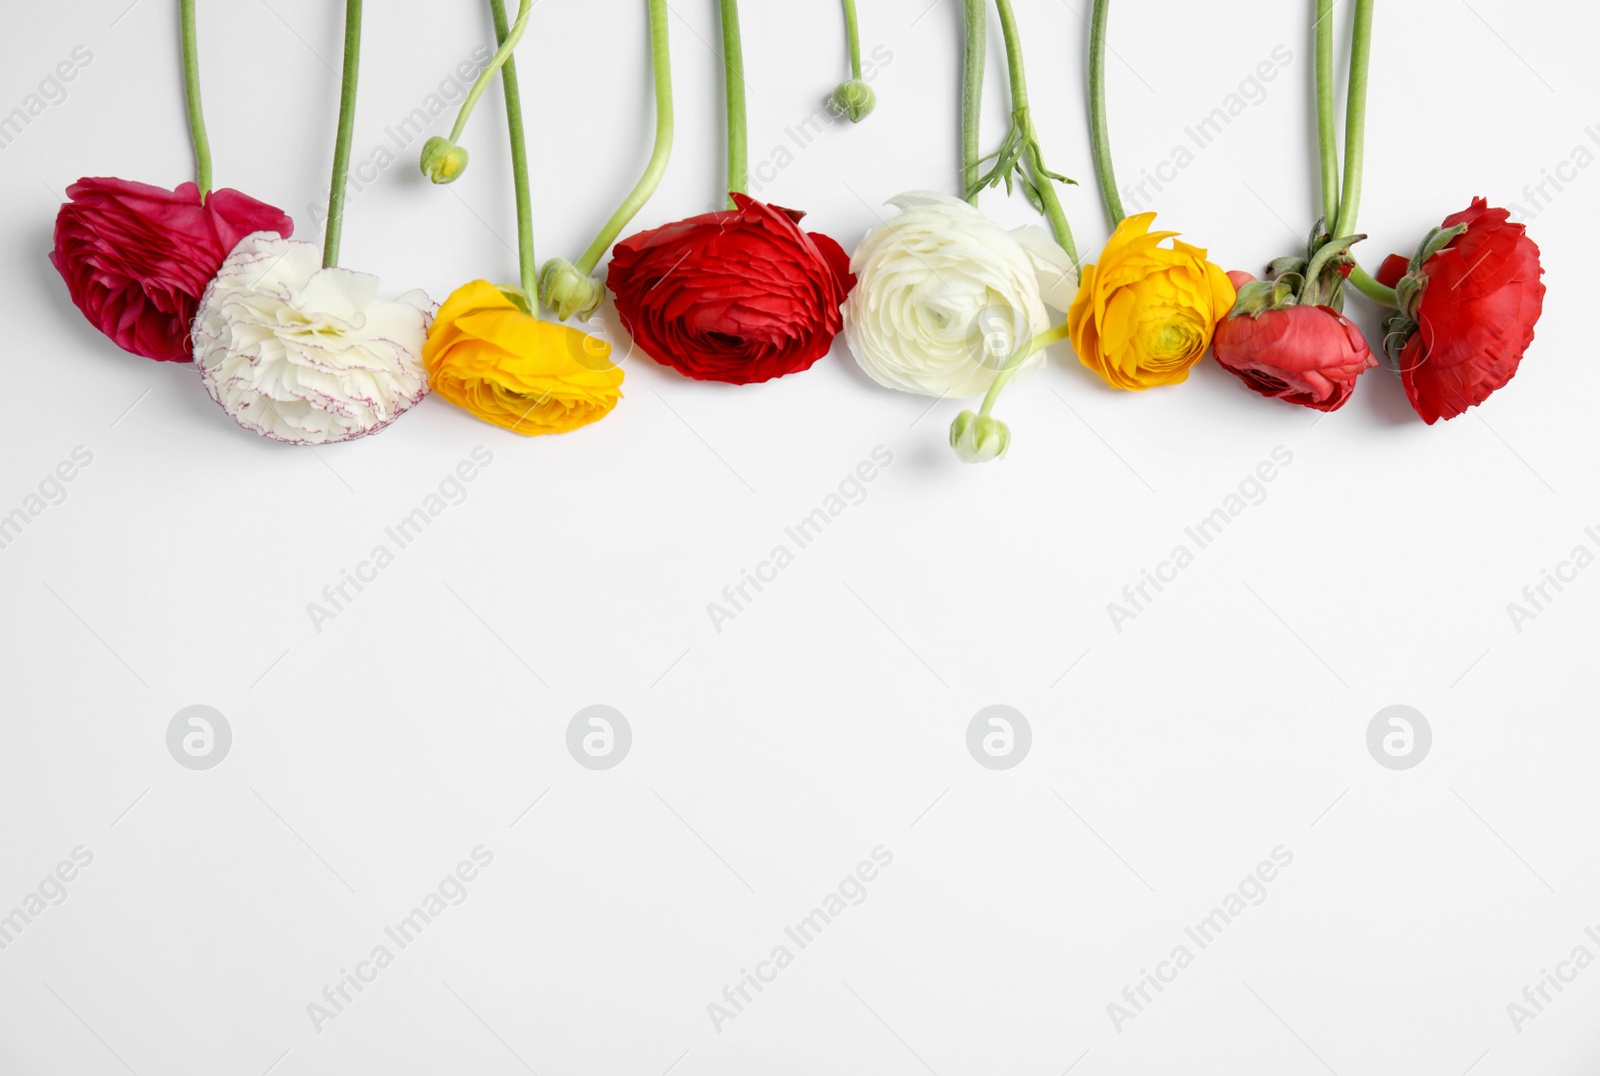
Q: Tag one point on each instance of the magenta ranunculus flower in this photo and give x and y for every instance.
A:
(137, 258)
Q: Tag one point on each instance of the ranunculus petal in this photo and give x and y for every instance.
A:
(1306, 355)
(136, 258)
(518, 372)
(1481, 299)
(740, 295)
(945, 296)
(1144, 313)
(304, 354)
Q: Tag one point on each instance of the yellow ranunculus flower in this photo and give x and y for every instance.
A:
(1145, 313)
(485, 354)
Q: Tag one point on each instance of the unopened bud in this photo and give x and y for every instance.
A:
(569, 292)
(854, 99)
(443, 160)
(979, 438)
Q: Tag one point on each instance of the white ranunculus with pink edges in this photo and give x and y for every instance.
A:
(944, 295)
(304, 354)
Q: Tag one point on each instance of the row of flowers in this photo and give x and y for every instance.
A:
(939, 300)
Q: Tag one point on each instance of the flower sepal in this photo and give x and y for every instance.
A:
(1408, 291)
(1260, 296)
(516, 297)
(1398, 328)
(1316, 280)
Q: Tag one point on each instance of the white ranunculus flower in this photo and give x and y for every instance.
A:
(304, 354)
(944, 296)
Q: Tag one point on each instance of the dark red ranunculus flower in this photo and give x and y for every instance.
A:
(136, 258)
(1468, 310)
(1307, 355)
(740, 295)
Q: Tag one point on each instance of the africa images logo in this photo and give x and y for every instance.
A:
(199, 737)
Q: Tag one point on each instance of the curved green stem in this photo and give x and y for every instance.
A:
(1019, 108)
(519, 164)
(1013, 39)
(1355, 131)
(191, 92)
(661, 58)
(347, 126)
(1014, 363)
(1372, 289)
(502, 56)
(1327, 139)
(733, 78)
(1054, 213)
(1099, 134)
(852, 32)
(972, 98)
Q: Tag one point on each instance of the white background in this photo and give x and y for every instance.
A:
(830, 717)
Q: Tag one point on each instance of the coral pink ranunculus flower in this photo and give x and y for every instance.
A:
(1307, 355)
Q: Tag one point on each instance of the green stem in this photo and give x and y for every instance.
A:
(1013, 39)
(1019, 108)
(1372, 289)
(1337, 247)
(1014, 363)
(853, 33)
(972, 98)
(1099, 133)
(1327, 139)
(733, 79)
(191, 90)
(501, 57)
(519, 163)
(661, 58)
(1355, 131)
(347, 126)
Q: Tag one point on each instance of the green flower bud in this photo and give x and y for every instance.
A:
(443, 160)
(568, 292)
(979, 438)
(854, 99)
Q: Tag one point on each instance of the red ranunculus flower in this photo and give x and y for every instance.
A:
(137, 258)
(1307, 355)
(1467, 311)
(740, 295)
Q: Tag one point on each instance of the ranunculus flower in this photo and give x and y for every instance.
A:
(739, 295)
(486, 354)
(136, 258)
(1469, 300)
(945, 296)
(1145, 313)
(304, 354)
(1307, 355)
